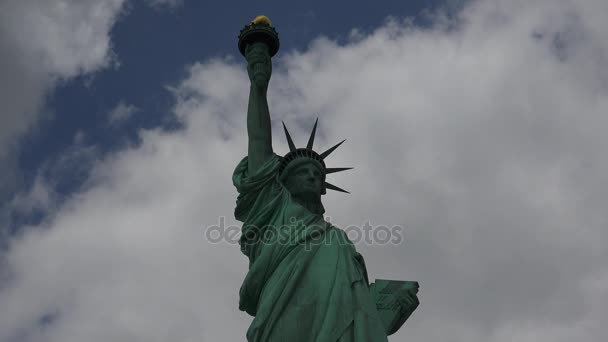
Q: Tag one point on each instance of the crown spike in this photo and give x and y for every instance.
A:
(311, 140)
(336, 169)
(292, 146)
(326, 153)
(333, 187)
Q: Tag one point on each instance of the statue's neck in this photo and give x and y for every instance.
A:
(313, 205)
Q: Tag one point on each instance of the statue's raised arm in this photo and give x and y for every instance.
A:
(259, 68)
(258, 42)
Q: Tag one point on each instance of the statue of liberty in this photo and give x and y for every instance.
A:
(306, 281)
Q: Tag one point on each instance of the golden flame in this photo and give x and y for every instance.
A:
(261, 19)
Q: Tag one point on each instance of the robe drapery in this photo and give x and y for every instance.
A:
(306, 282)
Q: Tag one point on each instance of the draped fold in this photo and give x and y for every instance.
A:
(306, 282)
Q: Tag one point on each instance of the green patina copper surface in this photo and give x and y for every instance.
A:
(306, 281)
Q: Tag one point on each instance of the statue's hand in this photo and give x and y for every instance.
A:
(259, 65)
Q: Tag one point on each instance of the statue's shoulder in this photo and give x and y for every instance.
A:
(340, 234)
(267, 170)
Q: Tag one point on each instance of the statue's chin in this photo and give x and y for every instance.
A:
(308, 195)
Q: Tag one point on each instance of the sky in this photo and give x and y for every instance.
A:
(477, 126)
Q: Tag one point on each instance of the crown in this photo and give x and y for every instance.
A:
(307, 154)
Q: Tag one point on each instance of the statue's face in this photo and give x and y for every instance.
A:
(305, 180)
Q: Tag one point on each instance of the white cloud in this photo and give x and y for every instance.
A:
(72, 166)
(40, 197)
(121, 113)
(484, 138)
(43, 42)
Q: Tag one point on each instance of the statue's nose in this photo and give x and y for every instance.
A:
(311, 177)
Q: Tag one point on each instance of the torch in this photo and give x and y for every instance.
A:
(259, 30)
